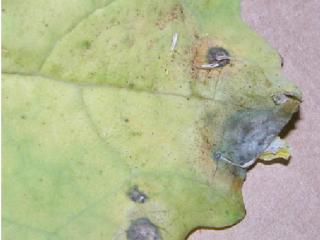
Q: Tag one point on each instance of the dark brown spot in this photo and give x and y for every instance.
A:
(282, 60)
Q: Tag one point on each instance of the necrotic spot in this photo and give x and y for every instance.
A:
(217, 55)
(250, 132)
(136, 195)
(143, 229)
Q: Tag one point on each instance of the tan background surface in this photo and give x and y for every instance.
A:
(283, 202)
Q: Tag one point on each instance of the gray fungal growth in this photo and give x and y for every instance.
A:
(136, 195)
(248, 134)
(218, 56)
(143, 229)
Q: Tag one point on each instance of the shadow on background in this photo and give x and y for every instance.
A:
(211, 228)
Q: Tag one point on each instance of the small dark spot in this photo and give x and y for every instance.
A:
(3, 10)
(217, 155)
(126, 120)
(282, 60)
(143, 229)
(23, 117)
(46, 25)
(136, 195)
(214, 54)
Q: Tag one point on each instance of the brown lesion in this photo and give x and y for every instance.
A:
(203, 82)
(199, 57)
(205, 144)
(176, 13)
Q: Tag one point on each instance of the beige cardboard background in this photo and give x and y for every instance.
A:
(283, 202)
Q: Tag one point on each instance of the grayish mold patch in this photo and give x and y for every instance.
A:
(218, 56)
(136, 195)
(143, 229)
(249, 133)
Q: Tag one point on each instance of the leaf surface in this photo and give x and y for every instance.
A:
(107, 134)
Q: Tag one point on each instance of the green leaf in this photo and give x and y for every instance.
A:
(107, 134)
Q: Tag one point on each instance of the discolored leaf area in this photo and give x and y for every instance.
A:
(107, 134)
